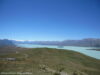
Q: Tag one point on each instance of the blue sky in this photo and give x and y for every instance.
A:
(49, 19)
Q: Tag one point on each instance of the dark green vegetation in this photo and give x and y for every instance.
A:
(48, 61)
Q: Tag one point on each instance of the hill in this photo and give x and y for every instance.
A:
(87, 42)
(49, 61)
(6, 42)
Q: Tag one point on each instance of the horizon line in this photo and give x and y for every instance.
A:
(50, 40)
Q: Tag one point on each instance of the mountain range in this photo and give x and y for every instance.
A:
(87, 42)
(6, 42)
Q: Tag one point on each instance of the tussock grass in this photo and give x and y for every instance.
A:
(29, 60)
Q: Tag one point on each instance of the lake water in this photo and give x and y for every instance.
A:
(90, 52)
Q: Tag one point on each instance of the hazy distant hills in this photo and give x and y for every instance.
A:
(84, 42)
(88, 42)
(6, 42)
(6, 46)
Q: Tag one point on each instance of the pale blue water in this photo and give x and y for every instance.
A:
(92, 53)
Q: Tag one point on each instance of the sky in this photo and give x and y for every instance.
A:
(49, 19)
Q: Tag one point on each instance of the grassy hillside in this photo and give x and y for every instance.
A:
(48, 61)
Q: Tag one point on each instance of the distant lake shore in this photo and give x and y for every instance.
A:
(94, 49)
(85, 50)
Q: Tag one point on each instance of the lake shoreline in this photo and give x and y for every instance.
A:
(94, 49)
(92, 53)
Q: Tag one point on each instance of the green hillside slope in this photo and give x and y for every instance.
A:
(48, 61)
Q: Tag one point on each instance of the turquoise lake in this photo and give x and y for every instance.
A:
(90, 52)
